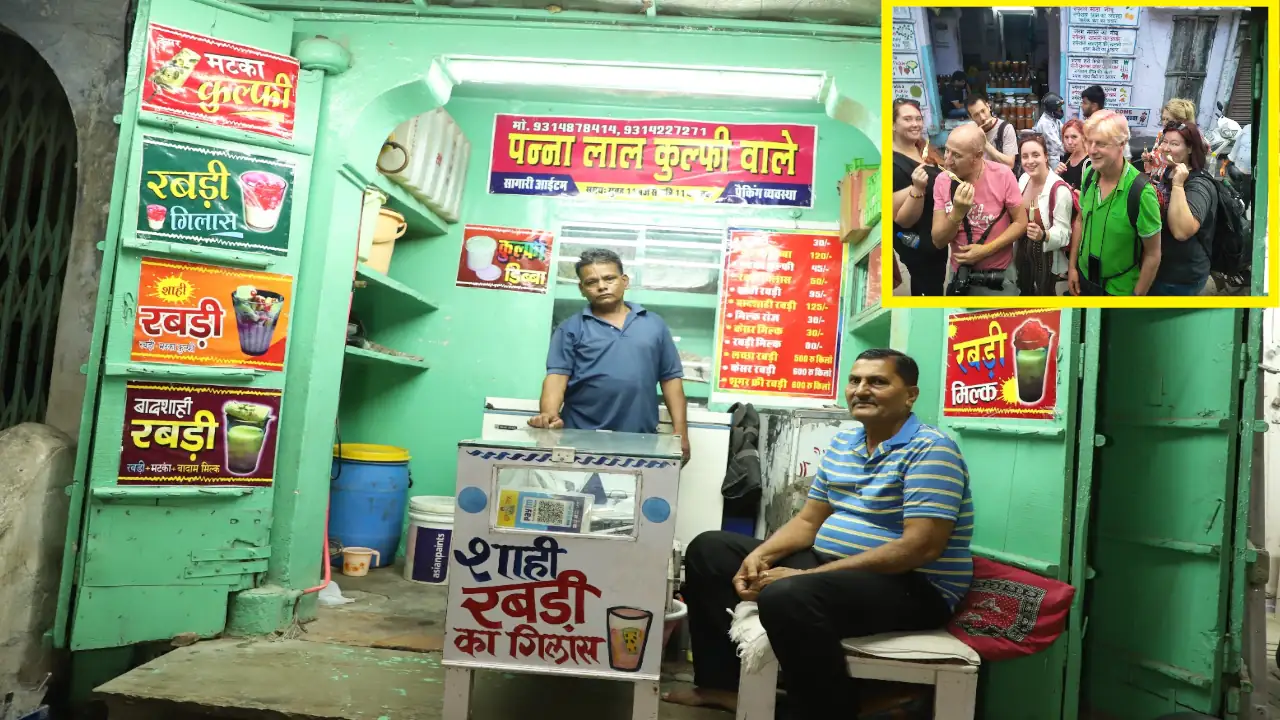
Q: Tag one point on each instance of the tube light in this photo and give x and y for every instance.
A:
(623, 77)
(1015, 10)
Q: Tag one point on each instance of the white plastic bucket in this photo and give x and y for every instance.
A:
(430, 540)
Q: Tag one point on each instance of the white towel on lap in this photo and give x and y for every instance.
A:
(747, 632)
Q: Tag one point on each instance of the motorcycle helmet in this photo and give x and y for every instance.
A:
(1052, 104)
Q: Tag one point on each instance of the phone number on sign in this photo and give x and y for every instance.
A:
(632, 130)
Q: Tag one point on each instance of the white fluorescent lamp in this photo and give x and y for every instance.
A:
(626, 77)
(1015, 10)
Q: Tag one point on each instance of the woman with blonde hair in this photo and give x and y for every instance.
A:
(1119, 248)
(1178, 111)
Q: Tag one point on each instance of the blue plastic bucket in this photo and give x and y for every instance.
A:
(368, 490)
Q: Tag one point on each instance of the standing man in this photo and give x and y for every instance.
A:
(979, 218)
(1050, 126)
(1002, 137)
(881, 545)
(1092, 99)
(605, 362)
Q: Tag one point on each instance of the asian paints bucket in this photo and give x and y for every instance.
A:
(368, 488)
(430, 539)
(356, 561)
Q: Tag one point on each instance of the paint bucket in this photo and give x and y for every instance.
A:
(368, 489)
(390, 227)
(672, 620)
(356, 560)
(430, 539)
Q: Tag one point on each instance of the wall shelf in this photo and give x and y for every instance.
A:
(371, 356)
(871, 319)
(393, 290)
(422, 222)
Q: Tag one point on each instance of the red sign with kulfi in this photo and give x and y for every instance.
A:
(218, 82)
(1002, 363)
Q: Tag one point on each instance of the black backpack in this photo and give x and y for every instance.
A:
(1017, 156)
(1133, 204)
(1230, 247)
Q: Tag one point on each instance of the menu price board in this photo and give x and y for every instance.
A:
(679, 161)
(194, 314)
(221, 83)
(198, 435)
(1002, 364)
(214, 197)
(779, 322)
(1094, 69)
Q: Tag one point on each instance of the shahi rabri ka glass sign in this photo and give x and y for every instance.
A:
(214, 197)
(221, 83)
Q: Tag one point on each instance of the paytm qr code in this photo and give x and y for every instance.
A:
(547, 512)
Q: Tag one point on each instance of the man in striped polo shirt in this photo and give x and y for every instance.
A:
(881, 545)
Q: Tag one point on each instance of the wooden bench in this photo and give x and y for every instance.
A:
(934, 658)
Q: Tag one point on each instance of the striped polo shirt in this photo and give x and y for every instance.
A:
(917, 473)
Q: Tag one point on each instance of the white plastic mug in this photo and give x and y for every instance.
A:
(480, 252)
(355, 560)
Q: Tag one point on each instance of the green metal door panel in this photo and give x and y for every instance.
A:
(156, 545)
(1165, 503)
(120, 615)
(1022, 475)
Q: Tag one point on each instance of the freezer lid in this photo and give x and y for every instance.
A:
(588, 442)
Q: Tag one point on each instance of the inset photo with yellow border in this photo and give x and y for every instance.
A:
(1079, 156)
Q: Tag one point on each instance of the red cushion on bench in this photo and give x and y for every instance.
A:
(1010, 613)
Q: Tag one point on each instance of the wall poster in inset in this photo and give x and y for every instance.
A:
(1002, 364)
(194, 314)
(502, 258)
(214, 197)
(177, 434)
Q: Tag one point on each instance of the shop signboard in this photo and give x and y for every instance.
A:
(906, 66)
(1117, 16)
(221, 83)
(1116, 94)
(1102, 41)
(193, 314)
(911, 90)
(678, 161)
(1002, 364)
(779, 321)
(214, 197)
(1093, 69)
(1137, 117)
(502, 258)
(198, 435)
(904, 36)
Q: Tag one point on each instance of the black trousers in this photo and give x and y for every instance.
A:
(805, 616)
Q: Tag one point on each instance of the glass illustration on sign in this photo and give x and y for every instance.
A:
(1031, 359)
(628, 635)
(263, 196)
(257, 312)
(245, 430)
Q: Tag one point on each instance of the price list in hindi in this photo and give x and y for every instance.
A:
(780, 314)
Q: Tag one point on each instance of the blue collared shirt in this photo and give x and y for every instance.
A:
(613, 372)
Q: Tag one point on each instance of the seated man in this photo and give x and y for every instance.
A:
(881, 545)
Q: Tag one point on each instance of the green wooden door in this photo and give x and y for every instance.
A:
(149, 561)
(1027, 477)
(1166, 530)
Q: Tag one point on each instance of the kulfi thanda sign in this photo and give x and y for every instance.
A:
(221, 83)
(1002, 364)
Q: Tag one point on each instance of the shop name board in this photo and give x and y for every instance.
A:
(1102, 41)
(198, 435)
(1002, 364)
(678, 161)
(779, 319)
(1117, 95)
(213, 197)
(1094, 69)
(1105, 16)
(221, 83)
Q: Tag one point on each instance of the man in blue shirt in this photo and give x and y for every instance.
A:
(605, 363)
(881, 545)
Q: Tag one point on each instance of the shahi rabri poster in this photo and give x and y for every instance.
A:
(221, 83)
(780, 321)
(198, 434)
(680, 161)
(194, 314)
(1002, 364)
(503, 258)
(214, 197)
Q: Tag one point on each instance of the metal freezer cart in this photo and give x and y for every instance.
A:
(561, 546)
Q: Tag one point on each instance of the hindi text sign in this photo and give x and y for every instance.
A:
(1104, 16)
(1093, 69)
(779, 321)
(214, 197)
(221, 83)
(503, 258)
(193, 314)
(904, 36)
(1137, 117)
(1116, 94)
(198, 434)
(906, 66)
(680, 161)
(1101, 41)
(1002, 364)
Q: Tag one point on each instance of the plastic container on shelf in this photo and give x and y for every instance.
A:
(370, 208)
(429, 540)
(390, 227)
(428, 156)
(368, 488)
(395, 160)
